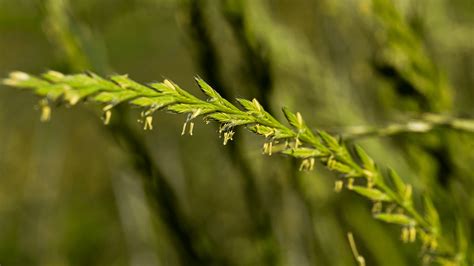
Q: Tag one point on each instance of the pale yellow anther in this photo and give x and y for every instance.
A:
(169, 84)
(368, 173)
(299, 119)
(19, 76)
(307, 164)
(74, 99)
(196, 113)
(268, 134)
(45, 113)
(350, 183)
(183, 131)
(412, 234)
(297, 143)
(331, 162)
(270, 147)
(257, 105)
(222, 127)
(228, 136)
(56, 74)
(304, 164)
(107, 114)
(148, 123)
(359, 258)
(10, 82)
(370, 182)
(191, 128)
(338, 185)
(405, 235)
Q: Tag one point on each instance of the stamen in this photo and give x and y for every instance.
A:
(228, 136)
(412, 234)
(338, 185)
(107, 114)
(191, 127)
(184, 128)
(45, 110)
(350, 183)
(148, 123)
(405, 235)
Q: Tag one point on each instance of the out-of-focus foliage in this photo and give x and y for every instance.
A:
(74, 192)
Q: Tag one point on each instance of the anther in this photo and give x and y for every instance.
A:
(412, 234)
(350, 183)
(405, 235)
(184, 128)
(191, 127)
(45, 110)
(338, 185)
(228, 136)
(148, 123)
(107, 114)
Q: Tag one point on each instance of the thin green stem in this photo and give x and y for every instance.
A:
(424, 124)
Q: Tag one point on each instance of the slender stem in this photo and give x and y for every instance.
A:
(426, 123)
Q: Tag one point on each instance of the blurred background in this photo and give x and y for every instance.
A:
(76, 192)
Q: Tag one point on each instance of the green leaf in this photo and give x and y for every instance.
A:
(127, 83)
(175, 89)
(262, 130)
(247, 105)
(52, 91)
(159, 101)
(104, 84)
(395, 218)
(190, 108)
(163, 88)
(371, 193)
(115, 97)
(24, 80)
(78, 81)
(74, 96)
(331, 142)
(232, 119)
(295, 120)
(282, 134)
(213, 94)
(431, 214)
(302, 152)
(398, 182)
(53, 76)
(367, 162)
(207, 89)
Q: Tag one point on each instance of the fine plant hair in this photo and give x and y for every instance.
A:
(392, 198)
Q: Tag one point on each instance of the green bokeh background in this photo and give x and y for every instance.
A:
(70, 193)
